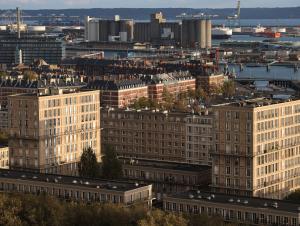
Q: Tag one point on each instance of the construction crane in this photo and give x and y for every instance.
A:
(236, 18)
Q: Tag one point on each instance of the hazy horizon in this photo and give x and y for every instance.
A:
(87, 4)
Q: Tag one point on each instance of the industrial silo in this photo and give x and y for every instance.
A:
(184, 33)
(208, 33)
(103, 30)
(198, 33)
(203, 34)
(191, 33)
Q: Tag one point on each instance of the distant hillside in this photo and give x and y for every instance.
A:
(171, 13)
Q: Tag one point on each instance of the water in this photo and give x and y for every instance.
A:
(244, 22)
(263, 22)
(254, 38)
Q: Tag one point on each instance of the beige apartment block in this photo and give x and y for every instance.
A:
(158, 135)
(199, 138)
(257, 148)
(49, 131)
(4, 157)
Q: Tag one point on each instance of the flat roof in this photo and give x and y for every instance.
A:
(166, 165)
(254, 103)
(70, 180)
(254, 202)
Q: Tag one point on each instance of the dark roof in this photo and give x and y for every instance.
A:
(39, 84)
(70, 180)
(115, 85)
(259, 203)
(168, 165)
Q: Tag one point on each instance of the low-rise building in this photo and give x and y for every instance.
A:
(166, 177)
(75, 188)
(236, 209)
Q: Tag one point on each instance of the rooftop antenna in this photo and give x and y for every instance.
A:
(18, 22)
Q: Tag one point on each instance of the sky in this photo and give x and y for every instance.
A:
(62, 4)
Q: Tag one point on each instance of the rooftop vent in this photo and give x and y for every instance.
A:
(191, 196)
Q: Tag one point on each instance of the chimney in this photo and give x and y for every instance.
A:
(18, 22)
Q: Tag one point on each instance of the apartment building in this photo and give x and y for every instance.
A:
(13, 85)
(145, 134)
(236, 209)
(76, 189)
(208, 82)
(119, 94)
(257, 150)
(49, 131)
(158, 135)
(4, 157)
(124, 90)
(3, 120)
(199, 137)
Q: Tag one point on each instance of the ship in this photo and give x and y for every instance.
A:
(221, 33)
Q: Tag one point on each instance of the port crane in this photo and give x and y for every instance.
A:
(235, 19)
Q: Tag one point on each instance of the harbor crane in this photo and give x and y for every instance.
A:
(235, 19)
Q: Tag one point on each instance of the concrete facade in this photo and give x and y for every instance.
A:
(48, 132)
(257, 148)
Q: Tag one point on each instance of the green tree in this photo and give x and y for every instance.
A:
(201, 93)
(3, 74)
(167, 98)
(294, 196)
(3, 138)
(88, 165)
(228, 88)
(111, 165)
(160, 218)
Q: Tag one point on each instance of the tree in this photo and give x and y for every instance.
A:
(294, 196)
(111, 165)
(3, 138)
(3, 74)
(30, 75)
(158, 217)
(200, 93)
(88, 165)
(167, 98)
(228, 88)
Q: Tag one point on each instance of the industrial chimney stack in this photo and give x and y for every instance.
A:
(19, 22)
